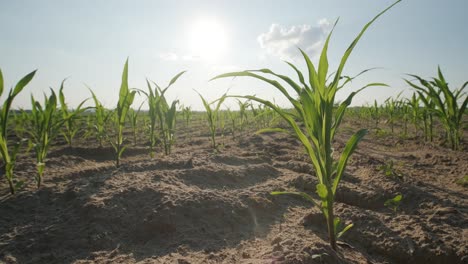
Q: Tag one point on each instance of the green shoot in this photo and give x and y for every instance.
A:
(315, 121)
(394, 203)
(446, 102)
(45, 127)
(126, 98)
(212, 115)
(100, 121)
(160, 110)
(71, 126)
(133, 116)
(9, 154)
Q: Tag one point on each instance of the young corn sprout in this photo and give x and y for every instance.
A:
(101, 117)
(450, 106)
(45, 127)
(160, 110)
(187, 117)
(315, 122)
(427, 115)
(212, 115)
(71, 125)
(8, 154)
(133, 117)
(126, 98)
(243, 117)
(415, 110)
(392, 105)
(167, 123)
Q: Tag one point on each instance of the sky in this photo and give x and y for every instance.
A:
(88, 42)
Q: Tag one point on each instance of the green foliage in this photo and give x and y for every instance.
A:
(160, 110)
(71, 117)
(8, 153)
(101, 117)
(133, 117)
(212, 115)
(389, 171)
(187, 117)
(394, 203)
(450, 106)
(46, 125)
(392, 105)
(315, 120)
(126, 98)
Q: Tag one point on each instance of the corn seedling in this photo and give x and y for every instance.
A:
(167, 119)
(388, 169)
(160, 110)
(414, 107)
(232, 117)
(101, 117)
(243, 117)
(71, 124)
(392, 105)
(394, 203)
(375, 114)
(46, 126)
(8, 154)
(133, 116)
(212, 115)
(126, 98)
(447, 106)
(428, 117)
(187, 117)
(314, 111)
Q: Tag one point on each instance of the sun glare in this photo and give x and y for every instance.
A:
(207, 39)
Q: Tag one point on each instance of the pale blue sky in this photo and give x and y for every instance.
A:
(89, 41)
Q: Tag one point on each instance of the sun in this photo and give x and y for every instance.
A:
(208, 39)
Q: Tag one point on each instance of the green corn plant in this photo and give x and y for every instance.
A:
(187, 117)
(46, 125)
(212, 115)
(415, 111)
(133, 117)
(71, 125)
(314, 111)
(447, 106)
(394, 203)
(222, 125)
(101, 118)
(126, 98)
(392, 105)
(167, 118)
(8, 154)
(160, 110)
(375, 113)
(428, 117)
(405, 112)
(243, 117)
(232, 117)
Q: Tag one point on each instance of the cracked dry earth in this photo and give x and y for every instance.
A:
(196, 206)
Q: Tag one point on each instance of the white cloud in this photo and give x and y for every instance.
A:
(282, 41)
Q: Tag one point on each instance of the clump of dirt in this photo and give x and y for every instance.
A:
(200, 206)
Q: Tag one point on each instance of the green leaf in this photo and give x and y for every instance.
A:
(1, 82)
(22, 83)
(341, 233)
(348, 150)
